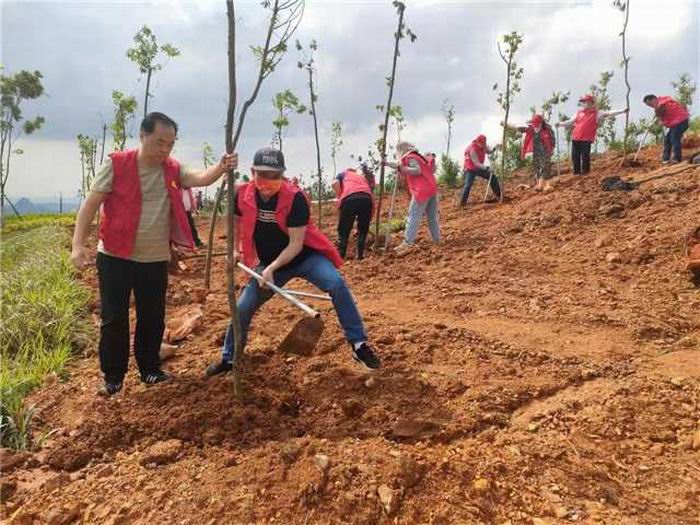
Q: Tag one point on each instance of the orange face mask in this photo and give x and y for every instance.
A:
(267, 187)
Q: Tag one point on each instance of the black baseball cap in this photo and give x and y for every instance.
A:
(269, 159)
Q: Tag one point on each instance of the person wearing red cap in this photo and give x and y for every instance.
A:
(585, 125)
(474, 158)
(673, 115)
(538, 140)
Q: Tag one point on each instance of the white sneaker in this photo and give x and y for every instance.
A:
(403, 248)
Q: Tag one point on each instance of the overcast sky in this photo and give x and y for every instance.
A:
(79, 47)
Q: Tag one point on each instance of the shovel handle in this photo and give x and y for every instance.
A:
(296, 302)
(306, 294)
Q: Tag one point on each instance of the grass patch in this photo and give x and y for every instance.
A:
(43, 322)
(12, 223)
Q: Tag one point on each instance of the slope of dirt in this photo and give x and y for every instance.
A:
(542, 365)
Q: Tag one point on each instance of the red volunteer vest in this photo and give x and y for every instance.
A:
(529, 141)
(423, 186)
(121, 210)
(585, 125)
(674, 112)
(353, 182)
(480, 152)
(248, 206)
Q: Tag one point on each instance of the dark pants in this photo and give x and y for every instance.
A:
(469, 177)
(581, 156)
(149, 281)
(193, 229)
(352, 208)
(672, 141)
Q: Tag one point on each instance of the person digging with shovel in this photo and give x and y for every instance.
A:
(353, 189)
(474, 158)
(674, 116)
(419, 171)
(275, 233)
(538, 140)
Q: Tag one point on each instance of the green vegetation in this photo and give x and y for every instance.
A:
(43, 310)
(11, 224)
(449, 172)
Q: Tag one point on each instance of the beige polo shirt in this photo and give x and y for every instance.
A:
(152, 243)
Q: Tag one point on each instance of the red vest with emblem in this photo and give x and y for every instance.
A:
(248, 206)
(480, 153)
(121, 210)
(585, 125)
(353, 182)
(546, 136)
(423, 186)
(674, 112)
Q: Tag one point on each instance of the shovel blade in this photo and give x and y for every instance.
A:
(302, 339)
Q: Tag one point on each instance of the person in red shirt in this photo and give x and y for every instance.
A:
(673, 115)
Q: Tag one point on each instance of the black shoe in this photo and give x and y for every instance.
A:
(221, 367)
(111, 387)
(366, 357)
(151, 378)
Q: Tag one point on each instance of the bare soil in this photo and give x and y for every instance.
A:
(540, 366)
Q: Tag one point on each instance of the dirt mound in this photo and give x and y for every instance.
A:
(539, 366)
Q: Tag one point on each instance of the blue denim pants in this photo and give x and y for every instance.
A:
(416, 210)
(672, 141)
(470, 175)
(320, 272)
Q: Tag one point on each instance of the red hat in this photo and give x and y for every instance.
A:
(587, 98)
(536, 121)
(481, 140)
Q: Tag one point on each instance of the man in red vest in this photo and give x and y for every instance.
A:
(673, 115)
(353, 189)
(419, 171)
(585, 125)
(275, 233)
(474, 159)
(142, 212)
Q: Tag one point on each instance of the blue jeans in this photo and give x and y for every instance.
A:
(416, 210)
(470, 175)
(320, 272)
(672, 140)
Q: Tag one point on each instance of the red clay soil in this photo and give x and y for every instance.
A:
(540, 366)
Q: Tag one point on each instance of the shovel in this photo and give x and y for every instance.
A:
(641, 144)
(302, 339)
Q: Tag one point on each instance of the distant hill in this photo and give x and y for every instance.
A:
(26, 206)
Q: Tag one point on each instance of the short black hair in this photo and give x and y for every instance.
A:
(648, 98)
(148, 124)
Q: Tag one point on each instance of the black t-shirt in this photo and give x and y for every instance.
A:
(269, 238)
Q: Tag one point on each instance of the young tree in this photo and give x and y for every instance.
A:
(285, 16)
(124, 111)
(284, 102)
(402, 31)
(104, 139)
(624, 7)
(88, 148)
(336, 142)
(685, 89)
(144, 55)
(208, 159)
(448, 111)
(14, 91)
(307, 63)
(514, 74)
(602, 98)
